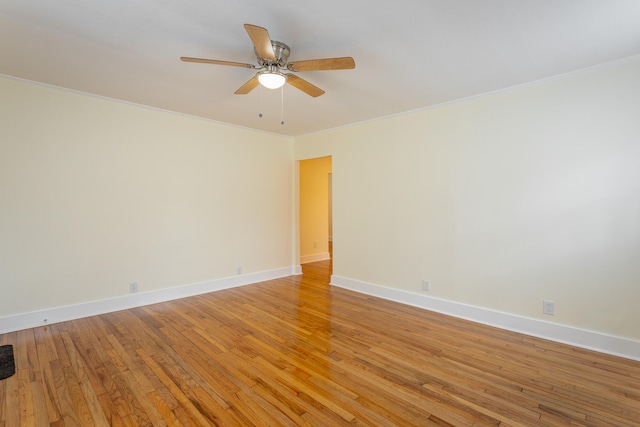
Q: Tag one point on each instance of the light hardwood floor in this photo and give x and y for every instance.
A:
(296, 351)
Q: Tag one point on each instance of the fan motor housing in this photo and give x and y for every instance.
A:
(280, 50)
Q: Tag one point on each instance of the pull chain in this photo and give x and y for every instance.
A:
(282, 105)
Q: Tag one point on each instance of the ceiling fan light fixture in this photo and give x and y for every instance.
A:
(273, 69)
(272, 79)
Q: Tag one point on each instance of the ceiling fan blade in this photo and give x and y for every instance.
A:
(304, 85)
(344, 63)
(216, 62)
(248, 86)
(261, 41)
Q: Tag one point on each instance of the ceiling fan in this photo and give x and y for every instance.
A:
(273, 66)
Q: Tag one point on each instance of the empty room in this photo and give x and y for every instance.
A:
(419, 213)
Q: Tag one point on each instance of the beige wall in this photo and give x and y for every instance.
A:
(500, 201)
(95, 194)
(314, 209)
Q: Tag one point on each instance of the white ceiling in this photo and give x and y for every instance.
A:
(409, 54)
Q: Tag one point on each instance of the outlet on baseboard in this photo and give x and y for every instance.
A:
(426, 286)
(548, 307)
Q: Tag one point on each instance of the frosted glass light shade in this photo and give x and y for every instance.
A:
(271, 80)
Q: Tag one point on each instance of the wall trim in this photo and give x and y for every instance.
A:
(597, 341)
(146, 107)
(525, 85)
(91, 308)
(315, 257)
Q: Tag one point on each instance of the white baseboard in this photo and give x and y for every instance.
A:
(61, 314)
(315, 257)
(591, 340)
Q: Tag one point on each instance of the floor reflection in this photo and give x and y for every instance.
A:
(313, 315)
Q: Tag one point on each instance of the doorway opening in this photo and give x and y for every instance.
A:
(315, 212)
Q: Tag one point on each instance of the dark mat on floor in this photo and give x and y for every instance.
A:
(7, 365)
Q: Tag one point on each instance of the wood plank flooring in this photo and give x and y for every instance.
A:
(298, 352)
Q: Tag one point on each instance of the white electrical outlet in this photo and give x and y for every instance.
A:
(426, 285)
(133, 287)
(239, 270)
(548, 307)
